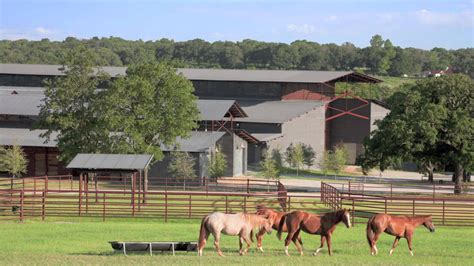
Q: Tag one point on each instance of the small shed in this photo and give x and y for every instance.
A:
(133, 166)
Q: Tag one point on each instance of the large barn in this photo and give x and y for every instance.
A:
(251, 111)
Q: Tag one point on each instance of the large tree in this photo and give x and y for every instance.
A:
(431, 123)
(72, 107)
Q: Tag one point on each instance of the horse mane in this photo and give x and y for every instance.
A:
(257, 221)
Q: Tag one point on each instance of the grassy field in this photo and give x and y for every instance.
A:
(84, 241)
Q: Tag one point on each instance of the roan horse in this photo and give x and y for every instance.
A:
(314, 224)
(241, 224)
(275, 218)
(398, 226)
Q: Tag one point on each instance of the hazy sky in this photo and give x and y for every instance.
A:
(422, 24)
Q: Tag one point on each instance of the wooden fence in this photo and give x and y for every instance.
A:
(445, 211)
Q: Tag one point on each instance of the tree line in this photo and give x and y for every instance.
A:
(381, 57)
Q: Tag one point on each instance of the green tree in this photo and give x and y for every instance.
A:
(339, 159)
(325, 162)
(270, 166)
(431, 122)
(181, 166)
(298, 157)
(13, 160)
(72, 107)
(309, 154)
(289, 155)
(218, 164)
(277, 157)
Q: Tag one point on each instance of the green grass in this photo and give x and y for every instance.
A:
(84, 241)
(393, 82)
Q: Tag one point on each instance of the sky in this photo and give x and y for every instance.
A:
(407, 23)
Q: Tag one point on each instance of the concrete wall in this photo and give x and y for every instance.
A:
(307, 128)
(377, 112)
(160, 168)
(240, 156)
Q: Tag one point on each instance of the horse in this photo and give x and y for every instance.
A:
(398, 226)
(241, 224)
(314, 224)
(275, 218)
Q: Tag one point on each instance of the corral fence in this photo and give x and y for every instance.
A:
(445, 211)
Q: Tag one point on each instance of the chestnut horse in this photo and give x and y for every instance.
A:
(240, 224)
(314, 224)
(275, 218)
(398, 226)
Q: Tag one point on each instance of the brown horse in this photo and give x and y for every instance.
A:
(240, 224)
(398, 226)
(314, 224)
(275, 218)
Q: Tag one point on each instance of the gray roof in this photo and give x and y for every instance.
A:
(264, 137)
(198, 141)
(276, 111)
(110, 161)
(303, 76)
(214, 109)
(49, 70)
(25, 137)
(28, 99)
(20, 104)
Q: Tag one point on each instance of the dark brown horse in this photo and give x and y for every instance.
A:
(275, 218)
(314, 224)
(398, 226)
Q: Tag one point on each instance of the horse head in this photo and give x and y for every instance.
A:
(428, 223)
(346, 218)
(268, 225)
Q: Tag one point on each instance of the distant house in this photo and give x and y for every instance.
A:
(438, 73)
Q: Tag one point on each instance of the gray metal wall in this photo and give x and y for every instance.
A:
(307, 128)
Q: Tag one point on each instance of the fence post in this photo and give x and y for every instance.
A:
(207, 186)
(166, 207)
(391, 192)
(22, 199)
(245, 204)
(349, 187)
(189, 212)
(226, 204)
(413, 208)
(43, 206)
(23, 183)
(80, 194)
(353, 212)
(385, 204)
(443, 212)
(133, 194)
(103, 206)
(47, 183)
(434, 192)
(289, 204)
(70, 178)
(248, 186)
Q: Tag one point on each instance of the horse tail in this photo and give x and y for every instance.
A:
(280, 226)
(370, 231)
(203, 233)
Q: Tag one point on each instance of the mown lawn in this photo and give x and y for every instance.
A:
(85, 241)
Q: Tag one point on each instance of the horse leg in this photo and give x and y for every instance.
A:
(323, 238)
(409, 236)
(328, 240)
(288, 240)
(375, 251)
(260, 235)
(395, 243)
(217, 236)
(247, 240)
(297, 244)
(241, 241)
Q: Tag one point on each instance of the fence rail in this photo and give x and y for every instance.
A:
(445, 211)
